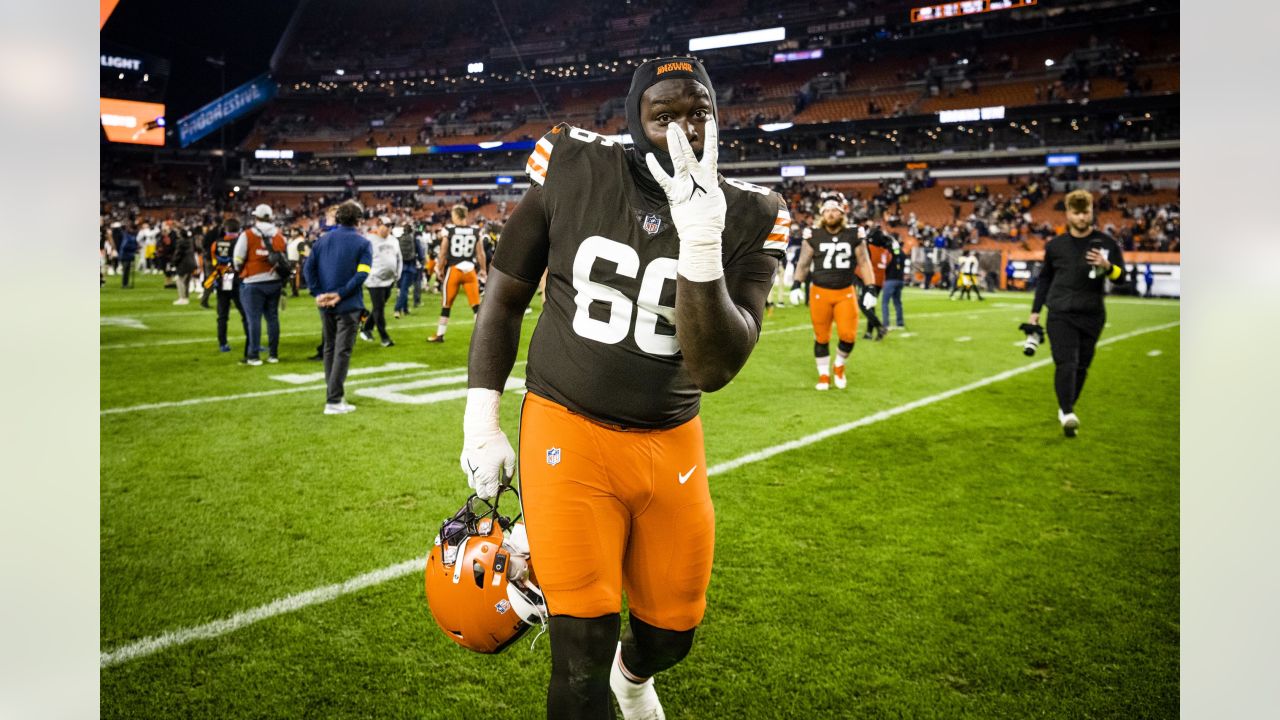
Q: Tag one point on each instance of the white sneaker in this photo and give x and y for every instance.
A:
(839, 378)
(273, 359)
(636, 701)
(1070, 423)
(339, 409)
(182, 301)
(824, 382)
(347, 407)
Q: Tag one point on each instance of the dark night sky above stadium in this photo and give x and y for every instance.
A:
(185, 33)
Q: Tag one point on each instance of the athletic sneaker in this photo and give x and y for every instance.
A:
(273, 359)
(880, 333)
(899, 327)
(251, 361)
(838, 375)
(637, 701)
(1070, 423)
(824, 382)
(366, 335)
(181, 301)
(338, 409)
(436, 339)
(224, 348)
(388, 343)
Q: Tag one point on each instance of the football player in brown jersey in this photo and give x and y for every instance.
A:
(657, 270)
(835, 251)
(460, 265)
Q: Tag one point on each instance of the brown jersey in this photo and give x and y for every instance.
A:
(460, 245)
(834, 257)
(605, 344)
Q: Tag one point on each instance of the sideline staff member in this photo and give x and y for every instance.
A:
(657, 273)
(1072, 282)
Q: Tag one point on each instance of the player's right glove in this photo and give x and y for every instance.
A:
(797, 296)
(487, 456)
(697, 203)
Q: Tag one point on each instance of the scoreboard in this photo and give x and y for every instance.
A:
(943, 11)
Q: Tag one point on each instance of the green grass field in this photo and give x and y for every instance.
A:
(954, 559)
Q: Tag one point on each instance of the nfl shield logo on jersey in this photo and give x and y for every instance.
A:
(553, 456)
(652, 223)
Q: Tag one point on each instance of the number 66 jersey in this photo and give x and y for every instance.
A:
(605, 345)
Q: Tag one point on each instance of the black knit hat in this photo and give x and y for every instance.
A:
(646, 76)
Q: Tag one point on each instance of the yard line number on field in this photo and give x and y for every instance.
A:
(217, 628)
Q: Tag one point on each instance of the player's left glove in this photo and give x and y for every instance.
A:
(487, 456)
(797, 296)
(869, 298)
(696, 200)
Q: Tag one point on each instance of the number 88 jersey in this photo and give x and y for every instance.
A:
(834, 258)
(605, 345)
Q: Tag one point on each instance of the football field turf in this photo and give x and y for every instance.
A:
(943, 553)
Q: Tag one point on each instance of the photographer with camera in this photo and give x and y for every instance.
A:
(1077, 265)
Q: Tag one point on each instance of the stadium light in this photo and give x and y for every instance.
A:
(711, 42)
(273, 154)
(475, 67)
(774, 127)
(393, 150)
(235, 188)
(1048, 62)
(490, 144)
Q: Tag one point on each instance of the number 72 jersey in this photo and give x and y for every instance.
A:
(605, 345)
(834, 257)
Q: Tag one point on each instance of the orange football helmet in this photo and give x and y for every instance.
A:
(479, 581)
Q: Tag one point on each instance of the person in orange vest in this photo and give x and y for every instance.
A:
(260, 283)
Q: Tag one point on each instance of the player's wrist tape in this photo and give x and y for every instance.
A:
(481, 415)
(1115, 272)
(796, 285)
(700, 259)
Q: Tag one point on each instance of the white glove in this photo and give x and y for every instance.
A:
(797, 296)
(868, 300)
(696, 200)
(487, 456)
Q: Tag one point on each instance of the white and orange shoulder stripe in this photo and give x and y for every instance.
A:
(540, 160)
(777, 239)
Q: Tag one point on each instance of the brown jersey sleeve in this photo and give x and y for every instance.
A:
(526, 239)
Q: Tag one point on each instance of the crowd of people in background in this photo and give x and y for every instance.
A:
(207, 256)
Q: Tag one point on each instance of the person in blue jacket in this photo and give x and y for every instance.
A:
(335, 273)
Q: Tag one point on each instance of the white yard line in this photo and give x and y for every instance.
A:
(279, 607)
(459, 375)
(906, 316)
(217, 628)
(304, 378)
(212, 340)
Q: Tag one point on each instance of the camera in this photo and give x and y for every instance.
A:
(1035, 336)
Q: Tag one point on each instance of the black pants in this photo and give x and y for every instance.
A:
(378, 297)
(339, 338)
(126, 267)
(227, 298)
(1072, 340)
(873, 322)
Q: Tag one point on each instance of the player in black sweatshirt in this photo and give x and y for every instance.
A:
(1077, 265)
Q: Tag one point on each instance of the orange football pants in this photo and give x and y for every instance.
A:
(825, 305)
(610, 510)
(468, 281)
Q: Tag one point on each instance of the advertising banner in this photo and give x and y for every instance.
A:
(231, 106)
